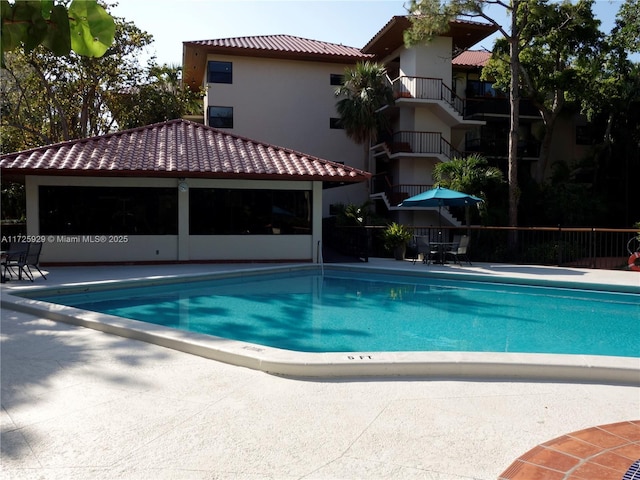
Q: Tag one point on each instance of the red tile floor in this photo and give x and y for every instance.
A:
(606, 452)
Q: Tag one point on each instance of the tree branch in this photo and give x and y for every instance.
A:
(54, 99)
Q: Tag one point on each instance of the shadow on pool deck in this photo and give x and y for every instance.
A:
(77, 403)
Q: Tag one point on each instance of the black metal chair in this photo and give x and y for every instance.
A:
(12, 258)
(21, 258)
(460, 252)
(421, 246)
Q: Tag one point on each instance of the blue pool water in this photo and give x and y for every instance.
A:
(351, 312)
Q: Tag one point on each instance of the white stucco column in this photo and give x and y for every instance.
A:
(316, 228)
(183, 219)
(32, 205)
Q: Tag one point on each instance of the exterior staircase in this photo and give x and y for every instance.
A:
(392, 200)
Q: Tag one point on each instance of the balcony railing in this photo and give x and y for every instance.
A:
(425, 143)
(396, 193)
(500, 147)
(427, 89)
(478, 107)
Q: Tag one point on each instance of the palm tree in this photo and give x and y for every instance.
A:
(365, 92)
(470, 174)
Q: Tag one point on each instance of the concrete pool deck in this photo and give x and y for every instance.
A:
(79, 403)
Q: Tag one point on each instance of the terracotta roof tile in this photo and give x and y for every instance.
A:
(285, 44)
(472, 58)
(177, 148)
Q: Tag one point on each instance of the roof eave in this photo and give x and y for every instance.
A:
(356, 177)
(465, 34)
(194, 58)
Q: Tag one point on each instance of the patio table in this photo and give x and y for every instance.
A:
(442, 248)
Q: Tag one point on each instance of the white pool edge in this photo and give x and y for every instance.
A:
(467, 365)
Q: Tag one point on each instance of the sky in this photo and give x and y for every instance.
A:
(348, 22)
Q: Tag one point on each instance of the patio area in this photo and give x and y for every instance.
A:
(81, 404)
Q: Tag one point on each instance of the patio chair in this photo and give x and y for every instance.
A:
(23, 261)
(460, 252)
(422, 246)
(452, 247)
(12, 258)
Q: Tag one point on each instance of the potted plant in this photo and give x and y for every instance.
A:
(396, 237)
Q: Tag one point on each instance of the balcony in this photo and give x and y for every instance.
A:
(499, 148)
(416, 144)
(479, 107)
(422, 88)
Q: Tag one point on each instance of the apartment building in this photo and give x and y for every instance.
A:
(428, 119)
(281, 89)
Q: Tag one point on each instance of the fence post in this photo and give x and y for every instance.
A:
(592, 247)
(559, 259)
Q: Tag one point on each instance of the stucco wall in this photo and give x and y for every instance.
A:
(285, 103)
(432, 60)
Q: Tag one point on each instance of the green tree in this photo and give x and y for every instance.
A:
(431, 18)
(84, 27)
(611, 100)
(13, 201)
(555, 40)
(365, 91)
(161, 97)
(471, 174)
(47, 98)
(626, 33)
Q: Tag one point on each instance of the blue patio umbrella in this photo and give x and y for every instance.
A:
(440, 197)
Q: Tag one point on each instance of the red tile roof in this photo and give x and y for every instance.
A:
(281, 45)
(177, 148)
(472, 58)
(194, 53)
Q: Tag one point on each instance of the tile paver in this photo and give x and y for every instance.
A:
(594, 453)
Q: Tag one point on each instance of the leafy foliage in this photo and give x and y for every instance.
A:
(12, 197)
(353, 215)
(47, 98)
(555, 40)
(364, 92)
(473, 175)
(160, 98)
(86, 28)
(430, 18)
(396, 235)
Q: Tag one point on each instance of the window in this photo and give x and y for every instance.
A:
(221, 117)
(108, 210)
(335, 123)
(219, 72)
(335, 79)
(223, 211)
(477, 88)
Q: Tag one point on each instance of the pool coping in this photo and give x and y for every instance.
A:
(467, 365)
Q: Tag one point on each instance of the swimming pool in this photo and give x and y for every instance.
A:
(431, 364)
(373, 312)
